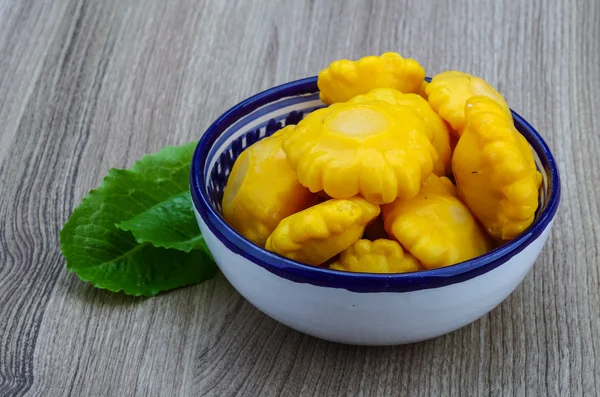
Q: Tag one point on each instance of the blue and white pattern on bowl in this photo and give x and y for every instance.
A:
(284, 289)
(259, 124)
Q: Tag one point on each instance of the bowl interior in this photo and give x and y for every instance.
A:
(267, 112)
(257, 125)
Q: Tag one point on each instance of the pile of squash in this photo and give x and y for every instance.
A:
(395, 175)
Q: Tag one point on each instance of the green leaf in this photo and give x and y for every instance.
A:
(108, 257)
(169, 224)
(146, 270)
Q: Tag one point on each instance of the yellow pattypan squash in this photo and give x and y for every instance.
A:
(449, 91)
(435, 226)
(319, 233)
(423, 90)
(345, 79)
(374, 149)
(262, 189)
(379, 256)
(440, 137)
(495, 171)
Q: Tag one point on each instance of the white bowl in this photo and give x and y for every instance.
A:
(353, 308)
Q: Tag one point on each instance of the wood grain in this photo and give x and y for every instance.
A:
(89, 85)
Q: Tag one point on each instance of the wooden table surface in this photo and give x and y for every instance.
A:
(89, 85)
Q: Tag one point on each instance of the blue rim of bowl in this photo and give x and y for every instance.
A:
(358, 282)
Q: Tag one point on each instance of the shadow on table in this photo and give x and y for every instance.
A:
(86, 292)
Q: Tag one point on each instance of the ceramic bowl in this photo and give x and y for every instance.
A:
(352, 308)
